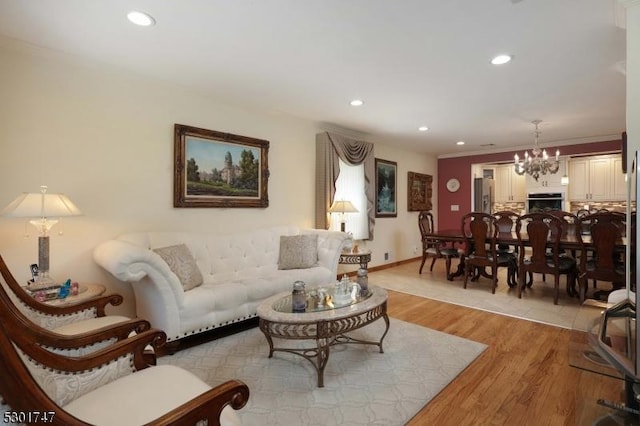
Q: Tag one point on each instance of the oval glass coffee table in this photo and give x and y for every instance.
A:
(326, 325)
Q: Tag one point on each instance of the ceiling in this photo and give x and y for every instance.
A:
(412, 62)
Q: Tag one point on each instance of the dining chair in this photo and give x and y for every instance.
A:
(604, 262)
(433, 248)
(506, 224)
(569, 220)
(481, 250)
(544, 232)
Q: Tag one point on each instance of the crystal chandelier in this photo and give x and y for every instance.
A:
(536, 165)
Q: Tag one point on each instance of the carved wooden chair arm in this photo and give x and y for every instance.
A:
(134, 345)
(209, 405)
(98, 304)
(118, 331)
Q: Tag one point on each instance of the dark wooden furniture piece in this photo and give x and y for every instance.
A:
(544, 232)
(570, 241)
(481, 251)
(602, 260)
(23, 393)
(94, 330)
(433, 248)
(506, 223)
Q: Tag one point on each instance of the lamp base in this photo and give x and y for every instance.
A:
(343, 227)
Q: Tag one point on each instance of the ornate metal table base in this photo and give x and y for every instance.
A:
(326, 332)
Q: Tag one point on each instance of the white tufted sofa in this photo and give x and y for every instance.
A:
(239, 271)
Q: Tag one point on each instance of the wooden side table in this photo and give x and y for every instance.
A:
(86, 292)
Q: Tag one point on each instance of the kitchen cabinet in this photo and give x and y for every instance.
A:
(547, 183)
(509, 186)
(619, 183)
(597, 178)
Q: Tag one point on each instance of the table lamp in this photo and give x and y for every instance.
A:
(44, 208)
(342, 207)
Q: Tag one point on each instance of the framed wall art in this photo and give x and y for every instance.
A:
(215, 169)
(386, 194)
(419, 192)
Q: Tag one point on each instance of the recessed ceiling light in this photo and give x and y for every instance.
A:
(460, 143)
(423, 128)
(141, 18)
(501, 59)
(356, 102)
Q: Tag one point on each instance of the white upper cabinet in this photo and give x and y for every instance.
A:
(619, 180)
(548, 183)
(509, 186)
(597, 178)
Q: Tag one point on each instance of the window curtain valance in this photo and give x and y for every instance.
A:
(329, 149)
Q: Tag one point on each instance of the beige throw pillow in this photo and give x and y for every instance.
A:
(298, 251)
(183, 264)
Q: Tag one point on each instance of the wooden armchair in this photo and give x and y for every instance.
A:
(114, 385)
(73, 328)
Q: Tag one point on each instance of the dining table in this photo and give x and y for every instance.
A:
(568, 241)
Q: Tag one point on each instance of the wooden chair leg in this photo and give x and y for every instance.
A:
(432, 263)
(424, 258)
(466, 275)
(494, 279)
(556, 289)
(582, 284)
(448, 266)
(521, 280)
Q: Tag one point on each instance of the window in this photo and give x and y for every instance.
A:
(350, 186)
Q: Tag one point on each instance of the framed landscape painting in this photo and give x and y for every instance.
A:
(215, 169)
(386, 193)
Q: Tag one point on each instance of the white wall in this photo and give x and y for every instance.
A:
(104, 137)
(633, 77)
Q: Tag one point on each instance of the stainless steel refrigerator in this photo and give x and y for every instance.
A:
(483, 194)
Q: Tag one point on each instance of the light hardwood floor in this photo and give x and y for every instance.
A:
(523, 378)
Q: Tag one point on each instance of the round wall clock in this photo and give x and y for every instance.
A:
(453, 185)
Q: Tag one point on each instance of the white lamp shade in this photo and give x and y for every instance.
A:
(41, 205)
(343, 206)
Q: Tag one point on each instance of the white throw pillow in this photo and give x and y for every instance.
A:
(183, 264)
(298, 251)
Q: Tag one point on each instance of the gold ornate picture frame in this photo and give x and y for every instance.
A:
(215, 169)
(419, 192)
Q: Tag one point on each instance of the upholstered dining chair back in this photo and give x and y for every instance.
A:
(605, 262)
(481, 251)
(544, 233)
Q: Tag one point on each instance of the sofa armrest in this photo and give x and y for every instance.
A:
(130, 263)
(330, 245)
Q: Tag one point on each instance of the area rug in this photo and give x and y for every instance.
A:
(362, 385)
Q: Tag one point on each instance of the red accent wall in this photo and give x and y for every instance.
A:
(460, 168)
